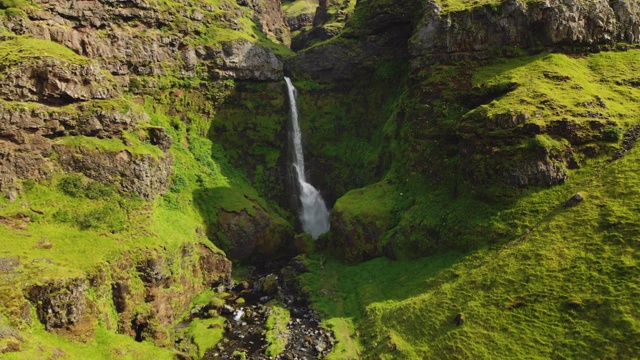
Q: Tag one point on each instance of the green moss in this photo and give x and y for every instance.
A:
(21, 49)
(276, 332)
(136, 146)
(206, 333)
(299, 7)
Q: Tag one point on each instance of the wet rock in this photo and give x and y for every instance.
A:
(268, 284)
(574, 200)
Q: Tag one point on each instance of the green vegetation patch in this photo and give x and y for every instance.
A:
(22, 49)
(276, 333)
(205, 333)
(299, 7)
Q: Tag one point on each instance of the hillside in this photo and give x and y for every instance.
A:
(478, 158)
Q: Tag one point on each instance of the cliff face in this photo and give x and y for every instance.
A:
(105, 108)
(454, 123)
(148, 38)
(445, 35)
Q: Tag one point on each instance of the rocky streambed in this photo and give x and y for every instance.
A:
(267, 317)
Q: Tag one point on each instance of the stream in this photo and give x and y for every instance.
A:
(245, 322)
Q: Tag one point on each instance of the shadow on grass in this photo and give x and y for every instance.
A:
(340, 290)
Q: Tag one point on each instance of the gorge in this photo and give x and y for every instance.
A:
(478, 158)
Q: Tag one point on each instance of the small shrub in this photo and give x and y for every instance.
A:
(95, 190)
(13, 12)
(28, 185)
(612, 134)
(8, 4)
(63, 216)
(135, 84)
(72, 185)
(178, 183)
(108, 217)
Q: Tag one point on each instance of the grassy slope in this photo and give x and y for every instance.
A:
(558, 283)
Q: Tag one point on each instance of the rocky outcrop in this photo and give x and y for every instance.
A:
(141, 174)
(256, 237)
(268, 15)
(92, 119)
(136, 38)
(60, 303)
(300, 21)
(380, 35)
(26, 133)
(241, 59)
(52, 81)
(64, 304)
(170, 282)
(473, 32)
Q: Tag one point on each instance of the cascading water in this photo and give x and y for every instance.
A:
(314, 215)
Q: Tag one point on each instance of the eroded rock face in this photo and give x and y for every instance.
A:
(381, 36)
(126, 37)
(53, 81)
(26, 145)
(59, 303)
(268, 15)
(141, 174)
(471, 33)
(254, 237)
(64, 305)
(79, 119)
(241, 59)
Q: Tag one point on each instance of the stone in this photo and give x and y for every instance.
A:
(574, 200)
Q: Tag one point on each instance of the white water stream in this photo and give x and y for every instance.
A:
(314, 214)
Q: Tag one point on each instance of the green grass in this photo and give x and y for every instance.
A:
(276, 332)
(206, 333)
(21, 49)
(105, 346)
(557, 290)
(137, 146)
(299, 7)
(571, 86)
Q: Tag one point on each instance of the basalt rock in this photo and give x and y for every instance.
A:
(268, 15)
(91, 119)
(53, 81)
(255, 237)
(241, 59)
(59, 303)
(141, 174)
(380, 36)
(471, 33)
(135, 38)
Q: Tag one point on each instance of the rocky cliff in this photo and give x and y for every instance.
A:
(104, 109)
(446, 34)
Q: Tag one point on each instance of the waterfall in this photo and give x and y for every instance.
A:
(314, 215)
